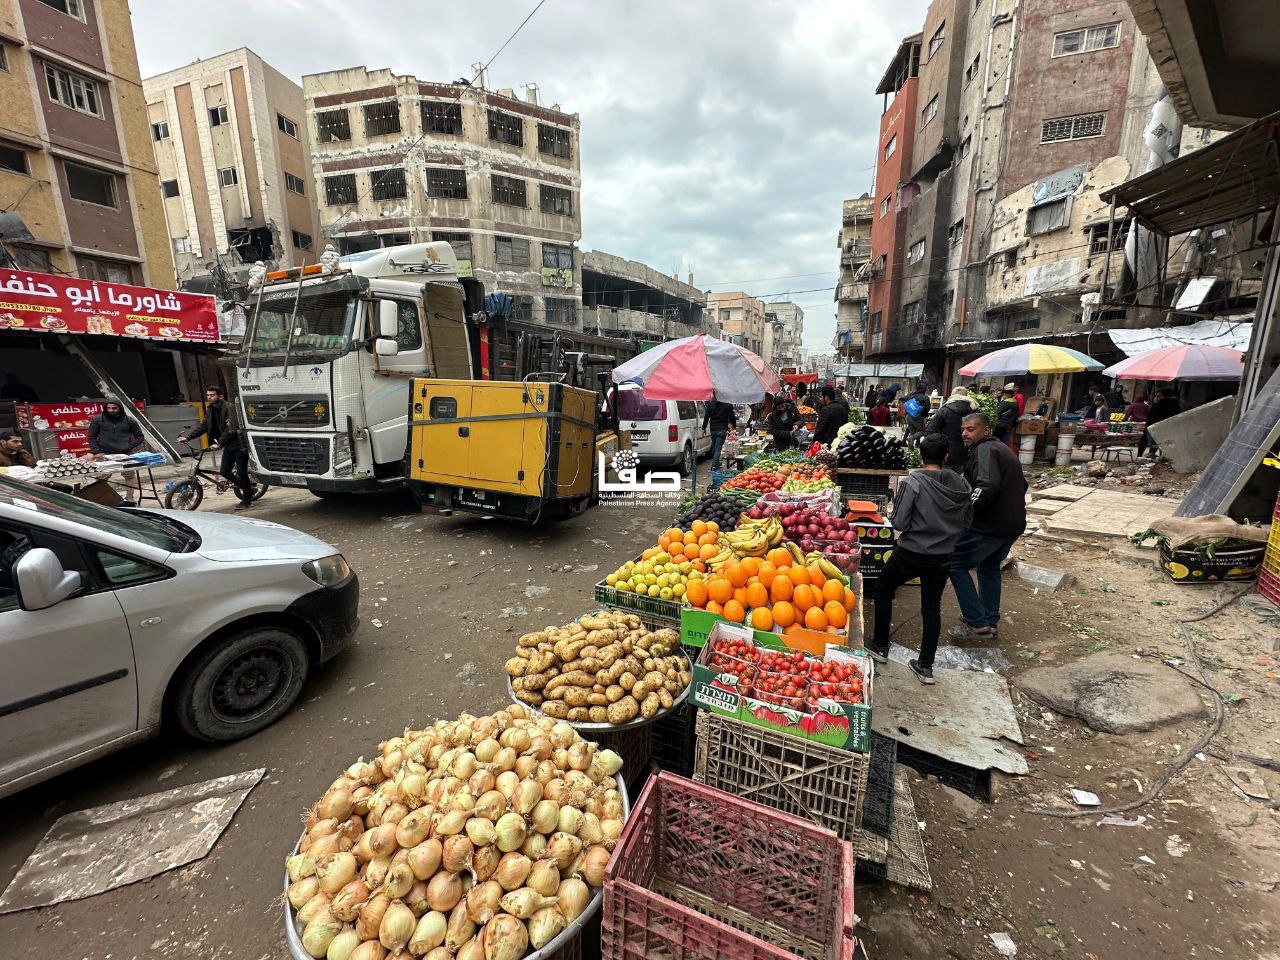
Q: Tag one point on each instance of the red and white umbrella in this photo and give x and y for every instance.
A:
(698, 368)
(1187, 361)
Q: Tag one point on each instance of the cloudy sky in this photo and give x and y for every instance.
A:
(717, 135)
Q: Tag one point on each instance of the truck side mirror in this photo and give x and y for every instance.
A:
(388, 329)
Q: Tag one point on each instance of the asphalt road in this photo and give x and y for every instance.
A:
(451, 594)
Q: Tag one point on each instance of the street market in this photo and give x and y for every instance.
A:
(383, 576)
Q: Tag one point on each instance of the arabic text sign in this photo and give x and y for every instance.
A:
(75, 414)
(44, 303)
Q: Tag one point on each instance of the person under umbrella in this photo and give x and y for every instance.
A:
(782, 423)
(1167, 405)
(1007, 414)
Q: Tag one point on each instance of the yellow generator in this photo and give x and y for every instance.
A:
(523, 450)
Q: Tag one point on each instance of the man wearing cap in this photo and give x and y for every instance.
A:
(947, 421)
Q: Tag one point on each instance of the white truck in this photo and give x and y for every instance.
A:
(327, 357)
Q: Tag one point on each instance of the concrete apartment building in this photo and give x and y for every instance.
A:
(741, 318)
(624, 298)
(854, 241)
(230, 143)
(398, 160)
(77, 177)
(784, 333)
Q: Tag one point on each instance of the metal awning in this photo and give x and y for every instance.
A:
(1233, 332)
(1236, 177)
(877, 369)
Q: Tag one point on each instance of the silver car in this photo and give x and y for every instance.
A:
(113, 622)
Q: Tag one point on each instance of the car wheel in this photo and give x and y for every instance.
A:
(686, 460)
(241, 685)
(184, 495)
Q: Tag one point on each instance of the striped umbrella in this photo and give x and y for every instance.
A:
(1187, 361)
(697, 368)
(1030, 358)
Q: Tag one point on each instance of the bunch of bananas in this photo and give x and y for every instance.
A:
(832, 572)
(754, 538)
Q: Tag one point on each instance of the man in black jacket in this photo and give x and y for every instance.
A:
(948, 420)
(999, 518)
(1006, 415)
(113, 431)
(718, 419)
(1166, 406)
(833, 415)
(782, 422)
(222, 427)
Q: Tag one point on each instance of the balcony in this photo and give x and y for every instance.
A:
(620, 322)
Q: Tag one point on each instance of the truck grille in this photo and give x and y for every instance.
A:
(292, 454)
(287, 410)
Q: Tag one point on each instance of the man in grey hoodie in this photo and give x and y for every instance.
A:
(932, 508)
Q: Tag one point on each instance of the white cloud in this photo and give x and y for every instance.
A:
(717, 133)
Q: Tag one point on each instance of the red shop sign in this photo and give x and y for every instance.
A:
(62, 416)
(44, 303)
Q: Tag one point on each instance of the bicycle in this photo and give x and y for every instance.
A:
(187, 494)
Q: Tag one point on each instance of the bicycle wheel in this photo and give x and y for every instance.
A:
(184, 495)
(259, 488)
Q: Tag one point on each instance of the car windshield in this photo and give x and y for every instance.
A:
(154, 530)
(634, 405)
(325, 318)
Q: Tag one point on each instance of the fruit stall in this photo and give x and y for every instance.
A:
(730, 648)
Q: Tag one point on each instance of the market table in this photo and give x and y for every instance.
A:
(1093, 439)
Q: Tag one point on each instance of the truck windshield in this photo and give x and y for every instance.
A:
(325, 318)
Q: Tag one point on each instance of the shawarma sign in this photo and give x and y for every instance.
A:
(45, 303)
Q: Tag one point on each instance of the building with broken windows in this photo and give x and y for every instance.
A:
(854, 242)
(784, 333)
(741, 318)
(626, 299)
(230, 143)
(397, 160)
(77, 179)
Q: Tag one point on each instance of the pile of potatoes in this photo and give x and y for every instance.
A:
(603, 668)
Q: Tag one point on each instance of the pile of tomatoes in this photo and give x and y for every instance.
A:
(736, 657)
(765, 481)
(786, 677)
(836, 681)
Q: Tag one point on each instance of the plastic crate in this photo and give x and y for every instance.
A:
(975, 783)
(632, 745)
(877, 805)
(720, 476)
(652, 608)
(700, 873)
(824, 785)
(867, 484)
(1269, 572)
(674, 740)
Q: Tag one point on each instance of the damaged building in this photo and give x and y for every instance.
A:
(626, 299)
(234, 163)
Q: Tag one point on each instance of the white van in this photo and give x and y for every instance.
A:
(664, 433)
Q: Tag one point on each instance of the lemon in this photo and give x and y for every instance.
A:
(624, 586)
(650, 579)
(678, 589)
(665, 593)
(611, 579)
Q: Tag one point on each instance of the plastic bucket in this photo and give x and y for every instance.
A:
(1027, 449)
(1066, 442)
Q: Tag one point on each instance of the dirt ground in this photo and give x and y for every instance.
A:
(451, 594)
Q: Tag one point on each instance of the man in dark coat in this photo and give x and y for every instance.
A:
(222, 427)
(782, 423)
(832, 415)
(1006, 415)
(113, 431)
(1166, 406)
(947, 421)
(719, 418)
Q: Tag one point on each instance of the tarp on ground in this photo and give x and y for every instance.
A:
(1233, 332)
(878, 370)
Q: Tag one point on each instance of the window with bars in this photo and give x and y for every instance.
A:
(555, 141)
(90, 185)
(557, 256)
(388, 184)
(287, 126)
(910, 312)
(333, 126)
(442, 116)
(559, 311)
(461, 242)
(522, 308)
(1098, 237)
(169, 188)
(1027, 323)
(506, 128)
(511, 251)
(508, 190)
(227, 177)
(1073, 128)
(915, 253)
(219, 116)
(72, 90)
(555, 200)
(1047, 217)
(936, 41)
(294, 184)
(447, 183)
(1086, 39)
(382, 118)
(930, 110)
(891, 147)
(340, 189)
(160, 131)
(302, 240)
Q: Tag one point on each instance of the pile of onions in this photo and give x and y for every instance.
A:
(477, 839)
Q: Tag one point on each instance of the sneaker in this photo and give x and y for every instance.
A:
(923, 674)
(878, 654)
(963, 632)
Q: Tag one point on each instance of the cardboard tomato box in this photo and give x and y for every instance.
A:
(834, 723)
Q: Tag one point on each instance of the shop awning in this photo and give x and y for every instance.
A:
(877, 369)
(1233, 332)
(799, 377)
(1236, 177)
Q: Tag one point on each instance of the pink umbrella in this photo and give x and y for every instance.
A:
(697, 368)
(1187, 361)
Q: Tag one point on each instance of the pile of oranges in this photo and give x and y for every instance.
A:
(774, 592)
(696, 546)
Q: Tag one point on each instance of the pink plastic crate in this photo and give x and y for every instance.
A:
(703, 875)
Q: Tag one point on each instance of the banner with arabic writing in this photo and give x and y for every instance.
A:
(44, 303)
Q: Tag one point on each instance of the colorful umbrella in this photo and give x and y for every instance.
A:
(696, 368)
(1030, 358)
(1187, 361)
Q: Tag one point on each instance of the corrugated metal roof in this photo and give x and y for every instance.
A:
(1233, 332)
(1236, 177)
